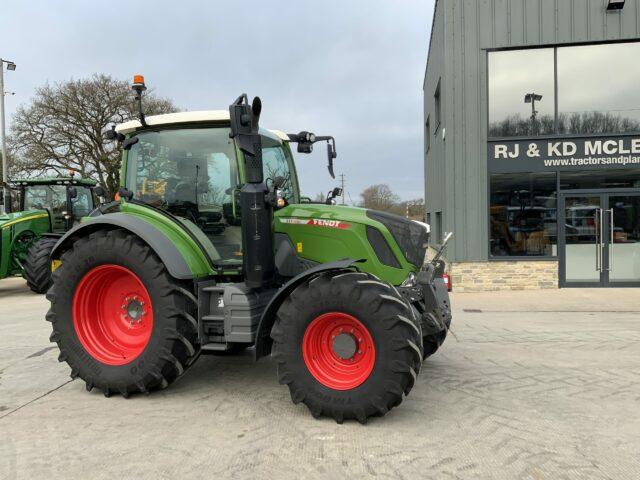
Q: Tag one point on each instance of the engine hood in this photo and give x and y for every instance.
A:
(8, 219)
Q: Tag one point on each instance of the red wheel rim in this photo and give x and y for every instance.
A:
(112, 314)
(338, 366)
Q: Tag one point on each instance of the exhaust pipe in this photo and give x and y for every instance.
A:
(257, 214)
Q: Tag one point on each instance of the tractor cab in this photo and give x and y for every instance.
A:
(38, 213)
(186, 164)
(65, 199)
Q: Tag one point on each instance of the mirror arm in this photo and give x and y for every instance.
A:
(302, 138)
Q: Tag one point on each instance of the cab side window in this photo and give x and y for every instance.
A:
(82, 204)
(42, 197)
(52, 198)
(276, 163)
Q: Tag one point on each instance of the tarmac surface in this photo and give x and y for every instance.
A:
(530, 385)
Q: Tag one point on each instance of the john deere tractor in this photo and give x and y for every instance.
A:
(210, 249)
(45, 209)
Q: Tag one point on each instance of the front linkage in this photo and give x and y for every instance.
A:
(427, 293)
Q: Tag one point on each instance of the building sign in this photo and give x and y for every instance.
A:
(564, 154)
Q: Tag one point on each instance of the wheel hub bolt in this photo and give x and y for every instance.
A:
(134, 310)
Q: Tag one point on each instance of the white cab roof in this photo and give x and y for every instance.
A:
(190, 117)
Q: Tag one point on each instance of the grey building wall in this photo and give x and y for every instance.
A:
(463, 30)
(434, 144)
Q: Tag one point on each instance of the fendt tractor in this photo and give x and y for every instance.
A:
(209, 248)
(45, 209)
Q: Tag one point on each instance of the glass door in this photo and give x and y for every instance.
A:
(599, 242)
(623, 239)
(581, 222)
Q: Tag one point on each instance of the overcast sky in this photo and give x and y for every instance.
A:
(352, 69)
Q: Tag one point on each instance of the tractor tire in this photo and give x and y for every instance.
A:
(37, 267)
(347, 346)
(122, 323)
(431, 343)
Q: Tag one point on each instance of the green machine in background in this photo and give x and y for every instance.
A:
(210, 248)
(39, 213)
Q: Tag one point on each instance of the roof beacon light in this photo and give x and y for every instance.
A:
(138, 83)
(138, 86)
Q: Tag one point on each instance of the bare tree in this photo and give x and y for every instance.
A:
(381, 197)
(568, 123)
(62, 128)
(413, 209)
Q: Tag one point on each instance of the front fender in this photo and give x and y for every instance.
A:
(268, 318)
(158, 241)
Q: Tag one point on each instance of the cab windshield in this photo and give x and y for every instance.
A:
(41, 197)
(192, 173)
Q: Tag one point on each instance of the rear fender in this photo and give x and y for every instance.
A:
(159, 243)
(263, 334)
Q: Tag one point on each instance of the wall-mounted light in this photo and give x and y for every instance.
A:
(615, 5)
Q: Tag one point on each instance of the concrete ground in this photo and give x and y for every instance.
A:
(533, 385)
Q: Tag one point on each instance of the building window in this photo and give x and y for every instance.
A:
(438, 107)
(598, 88)
(521, 93)
(438, 232)
(427, 136)
(522, 214)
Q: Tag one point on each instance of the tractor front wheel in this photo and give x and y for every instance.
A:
(347, 346)
(37, 267)
(122, 323)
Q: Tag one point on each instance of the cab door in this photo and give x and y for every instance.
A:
(82, 204)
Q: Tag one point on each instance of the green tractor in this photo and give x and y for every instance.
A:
(211, 249)
(45, 209)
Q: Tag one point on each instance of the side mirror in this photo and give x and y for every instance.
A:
(331, 196)
(73, 192)
(331, 154)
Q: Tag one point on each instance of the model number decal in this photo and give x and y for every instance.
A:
(316, 222)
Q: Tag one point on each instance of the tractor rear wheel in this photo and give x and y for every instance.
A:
(122, 323)
(347, 346)
(37, 267)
